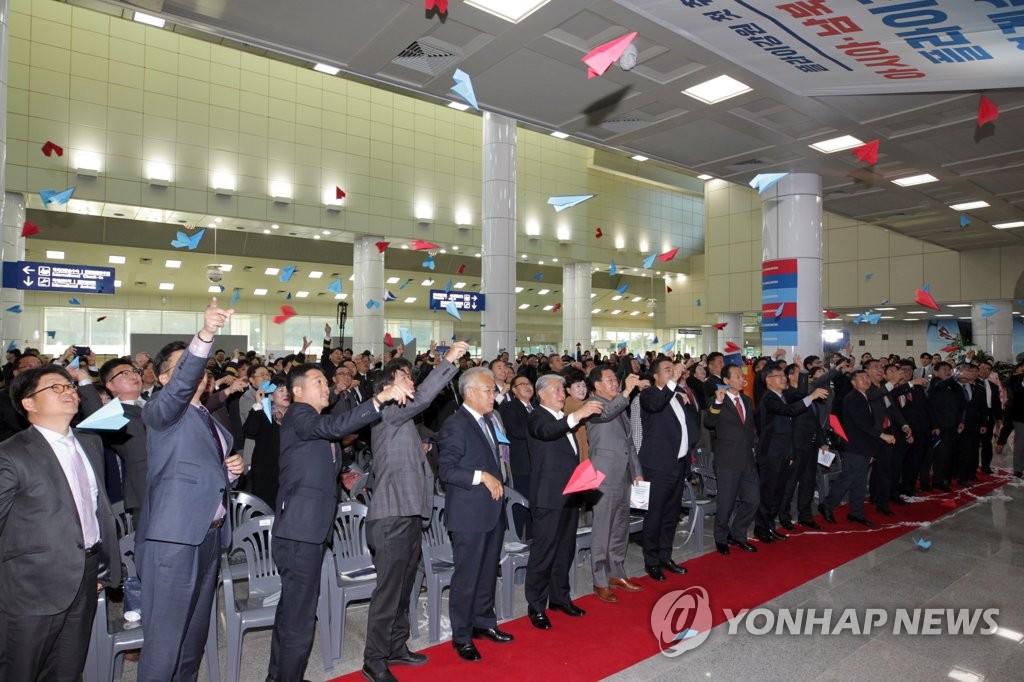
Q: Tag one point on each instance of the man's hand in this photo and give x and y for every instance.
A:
(215, 317)
(643, 384)
(797, 360)
(999, 449)
(960, 427)
(457, 350)
(589, 408)
(493, 485)
(306, 343)
(677, 371)
(80, 374)
(638, 479)
(327, 331)
(141, 359)
(395, 392)
(631, 382)
(235, 465)
(889, 438)
(819, 393)
(779, 353)
(719, 396)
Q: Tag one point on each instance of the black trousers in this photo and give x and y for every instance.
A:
(395, 543)
(552, 555)
(662, 518)
(50, 648)
(295, 619)
(986, 445)
(943, 457)
(967, 454)
(913, 459)
(738, 498)
(772, 470)
(881, 472)
(801, 482)
(852, 480)
(474, 581)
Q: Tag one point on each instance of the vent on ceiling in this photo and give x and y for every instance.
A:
(145, 261)
(428, 55)
(749, 163)
(626, 123)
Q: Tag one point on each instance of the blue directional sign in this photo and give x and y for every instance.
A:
(463, 300)
(80, 279)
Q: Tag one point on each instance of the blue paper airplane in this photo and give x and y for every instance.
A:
(453, 310)
(667, 348)
(621, 345)
(52, 334)
(429, 263)
(869, 318)
(964, 222)
(654, 341)
(922, 543)
(926, 287)
(698, 302)
(388, 296)
(407, 338)
(763, 181)
(649, 261)
(539, 276)
(612, 270)
(13, 345)
(16, 309)
(687, 634)
(268, 387)
(622, 289)
(464, 88)
(562, 203)
(448, 287)
(287, 272)
(779, 310)
(988, 310)
(74, 363)
(74, 301)
(183, 241)
(500, 435)
(110, 417)
(234, 297)
(335, 286)
(267, 409)
(885, 301)
(288, 296)
(724, 387)
(405, 284)
(869, 275)
(54, 198)
(372, 303)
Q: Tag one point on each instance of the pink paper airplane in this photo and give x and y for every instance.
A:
(987, 110)
(867, 153)
(420, 245)
(833, 421)
(721, 325)
(603, 56)
(922, 297)
(731, 347)
(585, 477)
(668, 255)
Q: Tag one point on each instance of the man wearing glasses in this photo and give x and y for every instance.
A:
(514, 413)
(56, 530)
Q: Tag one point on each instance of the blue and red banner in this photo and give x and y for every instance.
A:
(778, 302)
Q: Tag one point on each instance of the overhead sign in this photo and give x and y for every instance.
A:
(841, 47)
(778, 302)
(81, 279)
(463, 300)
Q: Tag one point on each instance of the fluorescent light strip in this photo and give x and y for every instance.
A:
(912, 180)
(968, 205)
(149, 19)
(836, 144)
(327, 68)
(1006, 226)
(717, 89)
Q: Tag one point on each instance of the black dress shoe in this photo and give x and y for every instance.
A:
(812, 524)
(466, 651)
(539, 619)
(722, 548)
(569, 609)
(885, 511)
(1019, 474)
(861, 520)
(944, 487)
(765, 538)
(788, 525)
(673, 567)
(409, 658)
(777, 535)
(742, 544)
(987, 470)
(898, 500)
(827, 514)
(378, 675)
(493, 634)
(655, 573)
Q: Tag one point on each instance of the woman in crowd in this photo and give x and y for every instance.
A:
(266, 432)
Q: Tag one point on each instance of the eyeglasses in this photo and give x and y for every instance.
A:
(521, 384)
(486, 389)
(59, 389)
(126, 371)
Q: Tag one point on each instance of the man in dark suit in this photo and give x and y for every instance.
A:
(307, 501)
(976, 417)
(56, 530)
(471, 467)
(948, 405)
(1013, 419)
(864, 434)
(886, 412)
(514, 413)
(994, 406)
(554, 455)
(402, 500)
(670, 432)
(11, 420)
(183, 523)
(913, 403)
(775, 449)
(731, 417)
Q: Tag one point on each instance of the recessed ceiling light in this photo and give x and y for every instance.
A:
(524, 256)
(852, 314)
(458, 106)
(56, 255)
(917, 312)
(885, 309)
(560, 135)
(315, 274)
(593, 295)
(226, 267)
(638, 157)
(213, 289)
(455, 247)
(316, 236)
(325, 232)
(912, 180)
(410, 299)
(171, 263)
(117, 283)
(166, 286)
(544, 292)
(889, 317)
(616, 312)
(717, 89)
(509, 10)
(394, 280)
(524, 306)
(340, 297)
(637, 299)
(459, 285)
(116, 260)
(548, 308)
(149, 19)
(705, 176)
(266, 231)
(327, 68)
(959, 305)
(837, 144)
(968, 205)
(617, 297)
(477, 254)
(427, 282)
(301, 294)
(274, 227)
(961, 675)
(944, 315)
(1006, 226)
(595, 311)
(519, 290)
(352, 277)
(272, 271)
(1010, 634)
(634, 313)
(259, 292)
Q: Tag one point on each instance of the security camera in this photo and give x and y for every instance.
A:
(214, 274)
(628, 58)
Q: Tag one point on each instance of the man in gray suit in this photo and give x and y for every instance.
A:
(402, 500)
(613, 453)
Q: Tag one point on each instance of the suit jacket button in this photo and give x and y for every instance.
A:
(80, 546)
(222, 491)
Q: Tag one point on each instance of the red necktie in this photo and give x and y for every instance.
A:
(739, 408)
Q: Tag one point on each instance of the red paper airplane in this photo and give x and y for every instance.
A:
(949, 349)
(598, 234)
(668, 290)
(420, 245)
(388, 341)
(603, 56)
(731, 347)
(831, 315)
(383, 246)
(51, 148)
(461, 269)
(987, 110)
(287, 312)
(867, 153)
(440, 5)
(585, 477)
(668, 255)
(558, 306)
(29, 229)
(721, 325)
(833, 421)
(101, 318)
(339, 193)
(922, 297)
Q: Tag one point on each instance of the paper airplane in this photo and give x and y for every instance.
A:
(622, 289)
(448, 287)
(335, 286)
(555, 308)
(926, 287)
(922, 543)
(831, 315)
(987, 110)
(731, 347)
(287, 272)
(407, 338)
(923, 297)
(500, 436)
(763, 181)
(405, 284)
(75, 362)
(869, 275)
(234, 297)
(74, 301)
(101, 318)
(429, 263)
(649, 261)
(621, 345)
(562, 203)
(50, 148)
(668, 255)
(654, 341)
(183, 241)
(267, 386)
(867, 153)
(585, 477)
(382, 246)
(13, 345)
(688, 633)
(778, 311)
(287, 312)
(603, 56)
(988, 310)
(16, 309)
(339, 193)
(389, 341)
(949, 349)
(461, 269)
(453, 310)
(965, 222)
(29, 229)
(598, 233)
(268, 409)
(110, 417)
(388, 296)
(51, 333)
(668, 290)
(867, 318)
(441, 6)
(721, 325)
(464, 88)
(612, 270)
(833, 421)
(53, 198)
(885, 301)
(420, 245)
(667, 348)
(372, 303)
(697, 303)
(539, 276)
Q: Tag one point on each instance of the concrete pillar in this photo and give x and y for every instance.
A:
(733, 331)
(498, 266)
(367, 285)
(12, 249)
(576, 322)
(791, 269)
(994, 334)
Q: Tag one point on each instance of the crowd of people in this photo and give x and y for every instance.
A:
(294, 431)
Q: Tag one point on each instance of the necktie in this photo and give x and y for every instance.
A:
(82, 492)
(689, 395)
(529, 408)
(490, 436)
(208, 418)
(500, 449)
(739, 408)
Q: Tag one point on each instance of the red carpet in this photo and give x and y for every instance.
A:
(612, 637)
